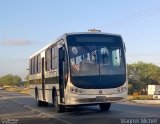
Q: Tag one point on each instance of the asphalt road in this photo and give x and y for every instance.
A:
(22, 109)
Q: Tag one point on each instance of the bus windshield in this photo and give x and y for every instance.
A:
(96, 61)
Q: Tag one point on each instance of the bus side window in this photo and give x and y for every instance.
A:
(52, 61)
(48, 59)
(39, 64)
(35, 64)
(56, 54)
(54, 57)
(30, 66)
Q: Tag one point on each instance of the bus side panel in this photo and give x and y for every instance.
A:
(48, 91)
(35, 81)
(51, 80)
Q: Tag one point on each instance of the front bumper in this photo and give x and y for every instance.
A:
(76, 99)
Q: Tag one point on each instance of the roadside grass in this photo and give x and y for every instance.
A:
(140, 97)
(18, 90)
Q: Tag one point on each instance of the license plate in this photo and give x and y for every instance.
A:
(101, 98)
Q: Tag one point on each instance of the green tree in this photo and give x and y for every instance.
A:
(10, 80)
(141, 74)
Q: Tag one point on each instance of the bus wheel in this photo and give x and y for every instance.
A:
(45, 104)
(104, 106)
(59, 108)
(39, 103)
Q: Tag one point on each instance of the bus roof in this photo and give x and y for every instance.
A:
(74, 33)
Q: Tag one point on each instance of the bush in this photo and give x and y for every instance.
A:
(19, 90)
(140, 97)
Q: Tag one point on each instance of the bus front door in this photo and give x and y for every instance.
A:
(61, 74)
(43, 81)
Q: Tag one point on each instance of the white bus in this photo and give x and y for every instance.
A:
(87, 68)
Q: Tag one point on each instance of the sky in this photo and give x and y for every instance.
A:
(28, 25)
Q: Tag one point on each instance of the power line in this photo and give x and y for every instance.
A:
(155, 10)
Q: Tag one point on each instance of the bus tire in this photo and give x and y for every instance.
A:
(39, 102)
(104, 106)
(45, 104)
(59, 108)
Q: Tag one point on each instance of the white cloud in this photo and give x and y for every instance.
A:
(16, 42)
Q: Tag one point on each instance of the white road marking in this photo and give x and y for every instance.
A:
(43, 114)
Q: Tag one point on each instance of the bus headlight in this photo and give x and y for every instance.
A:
(74, 90)
(121, 89)
(77, 90)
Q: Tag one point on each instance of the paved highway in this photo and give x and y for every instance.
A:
(22, 108)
